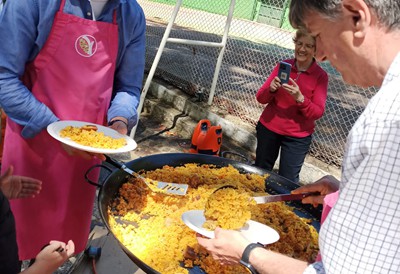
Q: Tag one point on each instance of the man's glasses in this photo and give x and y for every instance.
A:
(301, 44)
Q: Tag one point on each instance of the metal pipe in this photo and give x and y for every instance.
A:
(221, 54)
(195, 42)
(155, 63)
(166, 39)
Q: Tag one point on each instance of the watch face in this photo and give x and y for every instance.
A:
(249, 268)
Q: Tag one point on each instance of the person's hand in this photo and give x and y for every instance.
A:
(227, 246)
(275, 84)
(120, 125)
(52, 256)
(81, 153)
(14, 187)
(294, 90)
(326, 185)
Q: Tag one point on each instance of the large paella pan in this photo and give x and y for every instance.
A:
(110, 191)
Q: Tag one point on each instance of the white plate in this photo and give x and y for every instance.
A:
(253, 231)
(54, 130)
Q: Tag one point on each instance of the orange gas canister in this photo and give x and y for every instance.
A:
(211, 144)
(199, 134)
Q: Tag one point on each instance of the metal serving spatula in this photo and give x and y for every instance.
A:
(156, 186)
(274, 198)
(283, 197)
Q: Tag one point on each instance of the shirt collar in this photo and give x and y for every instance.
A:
(310, 70)
(393, 71)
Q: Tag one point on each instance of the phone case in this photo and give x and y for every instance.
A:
(284, 72)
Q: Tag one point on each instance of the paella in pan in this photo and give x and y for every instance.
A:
(149, 225)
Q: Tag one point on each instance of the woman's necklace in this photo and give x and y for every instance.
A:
(301, 70)
(298, 75)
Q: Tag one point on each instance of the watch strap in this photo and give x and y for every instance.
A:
(246, 256)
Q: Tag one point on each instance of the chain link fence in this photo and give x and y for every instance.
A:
(259, 37)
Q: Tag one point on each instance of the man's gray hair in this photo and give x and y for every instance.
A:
(387, 11)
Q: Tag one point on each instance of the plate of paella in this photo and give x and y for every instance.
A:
(253, 231)
(91, 137)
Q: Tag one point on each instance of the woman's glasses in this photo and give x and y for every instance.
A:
(301, 44)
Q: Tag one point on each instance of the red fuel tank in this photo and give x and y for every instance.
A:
(211, 144)
(199, 134)
(206, 139)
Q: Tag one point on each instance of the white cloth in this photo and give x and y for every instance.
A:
(362, 232)
(97, 7)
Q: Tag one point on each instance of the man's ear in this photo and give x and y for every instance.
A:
(361, 16)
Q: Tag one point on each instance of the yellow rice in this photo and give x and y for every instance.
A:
(228, 208)
(150, 226)
(91, 138)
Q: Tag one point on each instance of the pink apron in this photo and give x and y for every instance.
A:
(73, 75)
(329, 202)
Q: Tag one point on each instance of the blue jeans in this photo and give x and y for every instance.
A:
(293, 152)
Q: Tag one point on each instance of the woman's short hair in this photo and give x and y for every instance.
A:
(302, 32)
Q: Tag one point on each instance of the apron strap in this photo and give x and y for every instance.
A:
(114, 16)
(62, 4)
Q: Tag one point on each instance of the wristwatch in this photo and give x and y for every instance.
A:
(246, 255)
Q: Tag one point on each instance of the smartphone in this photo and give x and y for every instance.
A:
(284, 72)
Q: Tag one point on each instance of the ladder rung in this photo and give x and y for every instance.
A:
(195, 42)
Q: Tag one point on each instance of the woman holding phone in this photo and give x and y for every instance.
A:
(288, 121)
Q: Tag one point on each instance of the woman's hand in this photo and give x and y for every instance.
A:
(326, 185)
(81, 153)
(15, 187)
(294, 90)
(275, 84)
(227, 246)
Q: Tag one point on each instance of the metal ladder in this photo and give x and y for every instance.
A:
(166, 39)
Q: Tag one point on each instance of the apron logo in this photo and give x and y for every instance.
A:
(86, 45)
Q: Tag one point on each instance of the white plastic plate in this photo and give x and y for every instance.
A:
(55, 128)
(253, 231)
